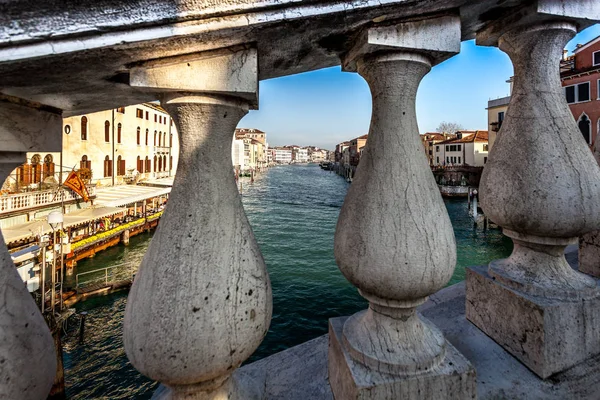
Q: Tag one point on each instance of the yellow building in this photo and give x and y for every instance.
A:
(122, 145)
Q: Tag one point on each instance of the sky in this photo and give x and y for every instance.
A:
(324, 107)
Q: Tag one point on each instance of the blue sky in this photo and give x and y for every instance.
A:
(327, 106)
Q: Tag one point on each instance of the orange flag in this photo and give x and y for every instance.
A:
(75, 183)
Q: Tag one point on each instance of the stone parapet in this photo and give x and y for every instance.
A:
(453, 378)
(547, 335)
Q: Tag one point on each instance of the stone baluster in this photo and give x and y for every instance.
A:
(541, 184)
(394, 240)
(27, 356)
(201, 301)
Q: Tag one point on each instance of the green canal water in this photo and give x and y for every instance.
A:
(293, 211)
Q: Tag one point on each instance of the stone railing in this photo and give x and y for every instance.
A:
(24, 201)
(201, 301)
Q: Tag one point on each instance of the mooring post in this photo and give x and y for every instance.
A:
(82, 315)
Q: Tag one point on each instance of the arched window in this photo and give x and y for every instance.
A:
(164, 163)
(118, 135)
(120, 166)
(159, 163)
(36, 169)
(165, 139)
(146, 137)
(140, 165)
(154, 137)
(585, 127)
(107, 167)
(138, 136)
(155, 159)
(48, 166)
(84, 127)
(171, 140)
(147, 165)
(85, 163)
(170, 163)
(159, 139)
(107, 131)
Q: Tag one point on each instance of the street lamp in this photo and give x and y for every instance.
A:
(55, 218)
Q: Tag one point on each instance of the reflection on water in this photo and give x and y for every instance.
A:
(293, 211)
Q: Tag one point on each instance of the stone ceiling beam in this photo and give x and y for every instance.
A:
(582, 13)
(230, 72)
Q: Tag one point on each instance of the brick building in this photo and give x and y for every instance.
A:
(580, 75)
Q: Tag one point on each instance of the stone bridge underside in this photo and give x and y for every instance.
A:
(201, 302)
(76, 56)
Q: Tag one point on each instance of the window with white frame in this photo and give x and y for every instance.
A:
(596, 58)
(578, 93)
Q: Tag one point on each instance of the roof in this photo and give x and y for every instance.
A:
(249, 130)
(433, 136)
(472, 136)
(79, 217)
(503, 101)
(121, 195)
(157, 107)
(586, 45)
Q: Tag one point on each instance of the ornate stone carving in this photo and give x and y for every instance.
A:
(201, 302)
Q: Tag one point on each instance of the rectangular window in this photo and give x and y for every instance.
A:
(570, 93)
(578, 93)
(485, 147)
(437, 148)
(437, 160)
(139, 113)
(596, 58)
(458, 147)
(447, 148)
(147, 115)
(583, 91)
(121, 110)
(459, 160)
(155, 117)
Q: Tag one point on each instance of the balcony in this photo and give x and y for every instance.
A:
(523, 327)
(38, 199)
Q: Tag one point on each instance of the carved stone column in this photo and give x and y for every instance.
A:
(201, 301)
(542, 186)
(27, 356)
(394, 240)
(589, 243)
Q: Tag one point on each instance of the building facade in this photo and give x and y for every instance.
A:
(580, 75)
(469, 148)
(126, 144)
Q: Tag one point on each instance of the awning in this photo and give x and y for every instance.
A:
(122, 195)
(25, 254)
(34, 228)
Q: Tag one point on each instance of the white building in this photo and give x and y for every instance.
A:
(301, 155)
(469, 148)
(135, 142)
(237, 155)
(283, 155)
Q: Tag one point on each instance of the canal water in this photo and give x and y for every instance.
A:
(293, 211)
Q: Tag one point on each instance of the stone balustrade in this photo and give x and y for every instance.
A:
(23, 201)
(201, 302)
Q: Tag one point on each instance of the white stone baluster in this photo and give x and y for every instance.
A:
(541, 184)
(394, 240)
(27, 357)
(201, 301)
